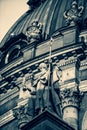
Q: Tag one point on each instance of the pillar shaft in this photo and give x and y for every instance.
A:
(70, 94)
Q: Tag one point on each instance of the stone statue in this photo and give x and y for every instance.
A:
(34, 32)
(46, 96)
(28, 91)
(24, 111)
(73, 15)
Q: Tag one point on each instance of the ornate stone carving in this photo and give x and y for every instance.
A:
(73, 15)
(21, 114)
(71, 97)
(70, 101)
(34, 32)
(24, 111)
(26, 88)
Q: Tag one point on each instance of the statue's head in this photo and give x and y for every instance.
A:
(74, 5)
(43, 66)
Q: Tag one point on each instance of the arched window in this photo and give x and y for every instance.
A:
(13, 53)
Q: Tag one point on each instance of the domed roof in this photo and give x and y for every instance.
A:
(49, 13)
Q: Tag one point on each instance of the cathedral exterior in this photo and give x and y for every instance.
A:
(43, 68)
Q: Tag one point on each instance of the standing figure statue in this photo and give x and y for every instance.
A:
(46, 96)
(24, 111)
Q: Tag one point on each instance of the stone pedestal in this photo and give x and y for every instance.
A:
(47, 121)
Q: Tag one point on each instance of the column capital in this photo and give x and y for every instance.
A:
(71, 97)
(21, 114)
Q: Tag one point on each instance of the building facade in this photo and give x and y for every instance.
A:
(43, 68)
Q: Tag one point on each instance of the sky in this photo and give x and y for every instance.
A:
(10, 11)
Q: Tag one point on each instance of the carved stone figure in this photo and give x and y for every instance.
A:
(46, 96)
(34, 32)
(73, 15)
(24, 111)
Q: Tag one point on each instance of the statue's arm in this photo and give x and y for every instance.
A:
(43, 80)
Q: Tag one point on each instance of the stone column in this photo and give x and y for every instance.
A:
(70, 93)
(70, 106)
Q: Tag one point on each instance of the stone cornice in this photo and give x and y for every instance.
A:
(8, 96)
(12, 64)
(83, 65)
(83, 86)
(7, 117)
(15, 69)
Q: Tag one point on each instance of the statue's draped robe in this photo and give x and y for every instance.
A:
(46, 95)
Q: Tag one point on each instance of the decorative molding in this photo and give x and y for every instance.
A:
(7, 117)
(83, 65)
(8, 96)
(83, 86)
(37, 60)
(12, 64)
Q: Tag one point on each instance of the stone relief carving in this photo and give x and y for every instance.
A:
(73, 15)
(34, 32)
